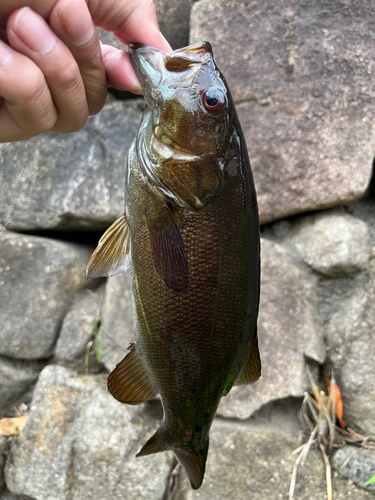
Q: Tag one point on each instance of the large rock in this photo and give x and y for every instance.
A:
(39, 278)
(349, 337)
(357, 464)
(15, 381)
(301, 74)
(289, 334)
(78, 326)
(79, 442)
(3, 444)
(335, 245)
(69, 181)
(116, 327)
(244, 464)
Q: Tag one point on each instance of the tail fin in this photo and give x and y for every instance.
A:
(194, 462)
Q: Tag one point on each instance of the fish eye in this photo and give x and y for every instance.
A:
(213, 100)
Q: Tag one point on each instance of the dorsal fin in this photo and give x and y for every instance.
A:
(252, 368)
(129, 383)
(112, 255)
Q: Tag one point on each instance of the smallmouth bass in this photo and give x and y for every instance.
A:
(190, 234)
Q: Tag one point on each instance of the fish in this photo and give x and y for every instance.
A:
(190, 235)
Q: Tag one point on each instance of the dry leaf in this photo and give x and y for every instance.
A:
(12, 426)
(339, 407)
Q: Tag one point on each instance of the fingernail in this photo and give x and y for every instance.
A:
(34, 31)
(76, 19)
(5, 53)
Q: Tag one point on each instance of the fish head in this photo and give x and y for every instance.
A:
(186, 125)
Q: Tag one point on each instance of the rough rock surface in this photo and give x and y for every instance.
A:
(78, 325)
(15, 380)
(357, 464)
(69, 181)
(301, 74)
(335, 245)
(3, 443)
(288, 334)
(116, 330)
(244, 464)
(79, 442)
(349, 336)
(39, 278)
(7, 495)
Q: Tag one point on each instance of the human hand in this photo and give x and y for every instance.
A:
(53, 69)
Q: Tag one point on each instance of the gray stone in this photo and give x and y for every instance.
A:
(116, 330)
(69, 181)
(244, 464)
(173, 18)
(79, 442)
(39, 278)
(15, 380)
(288, 334)
(3, 445)
(349, 337)
(357, 464)
(78, 325)
(335, 245)
(7, 495)
(301, 74)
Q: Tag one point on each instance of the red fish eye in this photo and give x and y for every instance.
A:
(213, 100)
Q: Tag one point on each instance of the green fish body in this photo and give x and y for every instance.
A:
(191, 232)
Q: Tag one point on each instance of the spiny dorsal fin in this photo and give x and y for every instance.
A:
(252, 369)
(129, 383)
(112, 255)
(168, 250)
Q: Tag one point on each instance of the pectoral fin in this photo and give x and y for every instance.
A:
(112, 255)
(168, 249)
(129, 383)
(252, 369)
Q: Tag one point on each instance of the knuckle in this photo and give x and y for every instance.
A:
(70, 77)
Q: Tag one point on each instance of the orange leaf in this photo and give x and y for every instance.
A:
(338, 404)
(12, 426)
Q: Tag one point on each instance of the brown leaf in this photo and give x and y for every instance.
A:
(12, 426)
(338, 404)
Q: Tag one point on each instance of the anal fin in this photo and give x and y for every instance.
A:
(129, 383)
(252, 368)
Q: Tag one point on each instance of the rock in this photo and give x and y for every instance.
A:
(79, 442)
(39, 278)
(295, 70)
(69, 181)
(7, 495)
(335, 245)
(3, 445)
(116, 330)
(15, 380)
(244, 464)
(78, 325)
(289, 334)
(349, 337)
(173, 19)
(357, 464)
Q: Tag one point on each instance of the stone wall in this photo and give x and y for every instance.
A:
(302, 77)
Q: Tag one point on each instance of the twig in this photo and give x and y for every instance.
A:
(328, 472)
